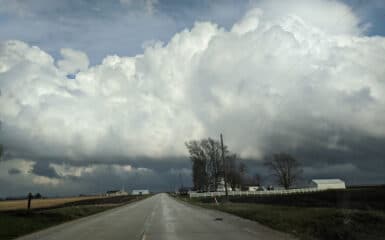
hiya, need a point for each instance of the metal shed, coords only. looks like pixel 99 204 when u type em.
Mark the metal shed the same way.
pixel 328 184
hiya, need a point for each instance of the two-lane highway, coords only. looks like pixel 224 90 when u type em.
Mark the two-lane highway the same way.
pixel 159 217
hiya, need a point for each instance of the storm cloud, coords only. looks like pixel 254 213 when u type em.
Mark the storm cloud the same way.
pixel 281 78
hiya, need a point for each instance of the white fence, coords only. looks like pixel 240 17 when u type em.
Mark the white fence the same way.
pixel 253 193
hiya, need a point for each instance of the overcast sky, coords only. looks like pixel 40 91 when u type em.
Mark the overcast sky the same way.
pixel 100 95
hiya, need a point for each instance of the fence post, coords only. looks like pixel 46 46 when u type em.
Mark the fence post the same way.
pixel 29 200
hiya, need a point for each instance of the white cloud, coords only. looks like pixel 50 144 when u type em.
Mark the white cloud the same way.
pixel 279 72
pixel 331 16
pixel 248 23
pixel 73 61
pixel 23 180
pixel 66 170
pixel 23 165
pixel 43 180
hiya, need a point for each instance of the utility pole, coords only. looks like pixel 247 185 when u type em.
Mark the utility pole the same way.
pixel 224 168
pixel 29 201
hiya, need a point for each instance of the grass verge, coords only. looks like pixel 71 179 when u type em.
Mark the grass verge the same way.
pixel 309 222
pixel 17 223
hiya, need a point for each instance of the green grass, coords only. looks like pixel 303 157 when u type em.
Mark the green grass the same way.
pixel 310 222
pixel 17 223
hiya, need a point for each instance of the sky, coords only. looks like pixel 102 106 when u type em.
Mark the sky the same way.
pixel 102 95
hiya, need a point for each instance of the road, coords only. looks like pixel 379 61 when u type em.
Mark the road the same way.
pixel 157 218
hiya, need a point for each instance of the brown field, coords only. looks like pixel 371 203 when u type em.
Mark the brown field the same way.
pixel 41 203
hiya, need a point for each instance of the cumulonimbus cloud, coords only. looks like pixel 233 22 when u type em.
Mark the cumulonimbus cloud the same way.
pixel 284 75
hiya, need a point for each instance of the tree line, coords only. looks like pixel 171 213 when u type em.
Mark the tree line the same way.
pixel 209 169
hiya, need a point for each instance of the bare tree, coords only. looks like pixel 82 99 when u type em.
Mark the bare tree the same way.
pixel 285 168
pixel 199 162
pixel 212 150
pixel 233 176
pixel 242 169
pixel 257 180
pixel 207 165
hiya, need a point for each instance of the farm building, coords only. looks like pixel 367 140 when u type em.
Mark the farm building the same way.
pixel 114 193
pixel 221 186
pixel 255 188
pixel 328 184
pixel 140 192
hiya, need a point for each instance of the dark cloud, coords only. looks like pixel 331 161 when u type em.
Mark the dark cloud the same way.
pixel 14 171
pixel 43 168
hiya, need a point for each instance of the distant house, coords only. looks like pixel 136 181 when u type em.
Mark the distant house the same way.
pixel 140 192
pixel 328 184
pixel 221 186
pixel 114 193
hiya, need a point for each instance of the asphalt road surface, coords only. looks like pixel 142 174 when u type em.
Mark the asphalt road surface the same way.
pixel 157 218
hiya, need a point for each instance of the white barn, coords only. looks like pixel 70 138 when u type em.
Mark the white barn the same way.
pixel 328 184
pixel 140 192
